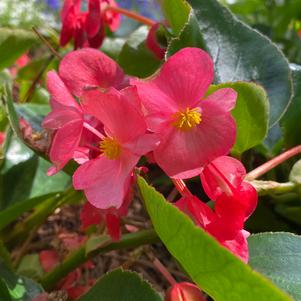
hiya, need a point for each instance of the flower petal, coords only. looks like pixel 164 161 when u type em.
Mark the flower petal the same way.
pixel 222 100
pixel 59 92
pixel 111 108
pixel 232 169
pixel 89 67
pixel 105 181
pixel 183 154
pixel 186 76
pixel 93 20
pixel 64 143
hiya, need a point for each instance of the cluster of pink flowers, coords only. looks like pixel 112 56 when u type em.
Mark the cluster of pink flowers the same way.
pixel 87 28
pixel 106 121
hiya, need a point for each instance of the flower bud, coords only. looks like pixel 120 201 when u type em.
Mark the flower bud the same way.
pixel 184 291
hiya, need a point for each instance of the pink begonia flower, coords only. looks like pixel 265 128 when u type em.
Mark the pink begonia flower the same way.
pixel 223 180
pixel 194 129
pixel 216 225
pixel 79 70
pixel 184 291
pixel 87 28
pixel 2 138
pixel 106 179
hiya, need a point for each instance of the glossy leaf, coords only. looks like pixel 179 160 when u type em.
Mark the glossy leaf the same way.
pixel 20 288
pixel 13 43
pixel 290 122
pixel 176 13
pixel 135 58
pixel 214 269
pixel 121 286
pixel 278 256
pixel 250 113
pixel 239 52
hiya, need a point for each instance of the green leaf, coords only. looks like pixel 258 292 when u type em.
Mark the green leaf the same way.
pixel 278 256
pixel 239 52
pixel 13 212
pixel 250 113
pixel 290 123
pixel 176 13
pixel 4 293
pixel 30 266
pixel 121 286
pixel 95 242
pixel 214 269
pixel 135 58
pixel 13 43
pixel 295 174
pixel 20 288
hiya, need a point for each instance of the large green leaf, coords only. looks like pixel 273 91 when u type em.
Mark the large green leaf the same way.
pixel 121 286
pixel 135 58
pixel 251 114
pixel 176 13
pixel 278 256
pixel 19 288
pixel 290 122
pixel 214 269
pixel 239 52
pixel 13 43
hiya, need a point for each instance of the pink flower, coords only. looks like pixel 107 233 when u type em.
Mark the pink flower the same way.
pixel 87 28
pixel 194 129
pixel 222 181
pixel 2 138
pixel 79 70
pixel 184 291
pixel 216 225
pixel 106 179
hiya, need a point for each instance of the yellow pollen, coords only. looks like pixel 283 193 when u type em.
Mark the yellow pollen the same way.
pixel 110 148
pixel 188 119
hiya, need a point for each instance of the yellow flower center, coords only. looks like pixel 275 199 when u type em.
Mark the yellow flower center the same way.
pixel 110 148
pixel 188 119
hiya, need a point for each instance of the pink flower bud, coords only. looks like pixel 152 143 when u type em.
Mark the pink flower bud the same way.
pixel 184 291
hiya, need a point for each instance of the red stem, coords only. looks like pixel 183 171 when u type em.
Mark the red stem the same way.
pixel 163 270
pixel 131 15
pixel 264 168
pixel 182 188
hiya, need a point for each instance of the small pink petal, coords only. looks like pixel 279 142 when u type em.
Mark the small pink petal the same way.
pixel 89 67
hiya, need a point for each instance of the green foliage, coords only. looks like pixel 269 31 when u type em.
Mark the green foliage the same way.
pixel 19 288
pixel 290 122
pixel 121 286
pixel 17 39
pixel 214 269
pixel 135 58
pixel 239 52
pixel 277 255
pixel 250 113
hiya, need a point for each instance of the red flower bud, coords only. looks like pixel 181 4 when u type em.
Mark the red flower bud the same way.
pixel 184 291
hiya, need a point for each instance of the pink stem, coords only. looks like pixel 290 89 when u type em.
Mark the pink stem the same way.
pixel 93 130
pixel 264 168
pixel 182 188
pixel 163 270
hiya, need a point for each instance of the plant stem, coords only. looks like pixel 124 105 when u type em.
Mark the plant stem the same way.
pixel 131 15
pixel 78 257
pixel 271 187
pixel 163 270
pixel 264 168
pixel 182 188
pixel 46 43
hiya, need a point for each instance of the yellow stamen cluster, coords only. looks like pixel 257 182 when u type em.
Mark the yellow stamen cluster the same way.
pixel 188 119
pixel 110 148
